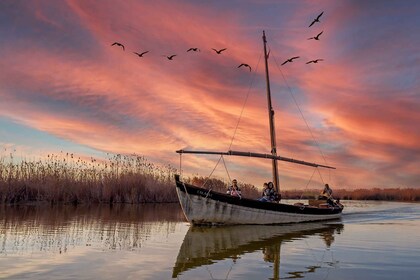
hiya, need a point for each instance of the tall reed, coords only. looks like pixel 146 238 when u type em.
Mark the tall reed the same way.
pixel 66 178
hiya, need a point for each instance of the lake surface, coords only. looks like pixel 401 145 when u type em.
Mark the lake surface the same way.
pixel 373 240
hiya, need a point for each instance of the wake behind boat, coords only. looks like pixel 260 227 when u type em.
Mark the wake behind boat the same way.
pixel 202 206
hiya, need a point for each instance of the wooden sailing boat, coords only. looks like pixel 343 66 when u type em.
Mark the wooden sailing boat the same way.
pixel 202 206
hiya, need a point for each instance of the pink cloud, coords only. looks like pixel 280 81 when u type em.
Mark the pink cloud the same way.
pixel 111 100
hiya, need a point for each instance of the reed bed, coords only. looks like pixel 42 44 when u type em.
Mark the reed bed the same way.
pixel 63 178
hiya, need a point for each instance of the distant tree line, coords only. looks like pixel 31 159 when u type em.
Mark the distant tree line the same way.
pixel 388 194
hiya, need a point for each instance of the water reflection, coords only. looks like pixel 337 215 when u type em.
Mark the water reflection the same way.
pixel 203 246
pixel 58 228
pixel 155 242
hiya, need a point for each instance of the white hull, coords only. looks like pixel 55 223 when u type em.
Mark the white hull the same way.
pixel 202 210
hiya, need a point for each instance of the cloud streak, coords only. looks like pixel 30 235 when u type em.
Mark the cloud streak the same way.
pixel 61 76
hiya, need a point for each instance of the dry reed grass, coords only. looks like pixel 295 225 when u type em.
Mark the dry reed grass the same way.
pixel 65 178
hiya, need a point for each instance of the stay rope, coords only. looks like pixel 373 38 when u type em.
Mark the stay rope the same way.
pixel 300 111
pixel 246 100
pixel 224 163
pixel 307 184
pixel 237 124
pixel 211 173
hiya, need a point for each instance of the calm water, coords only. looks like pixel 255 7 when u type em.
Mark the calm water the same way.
pixel 373 240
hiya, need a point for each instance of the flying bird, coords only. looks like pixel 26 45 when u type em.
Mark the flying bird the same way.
pixel 193 49
pixel 316 37
pixel 141 54
pixel 219 51
pixel 118 44
pixel 290 60
pixel 316 20
pixel 170 57
pixel 314 61
pixel 245 65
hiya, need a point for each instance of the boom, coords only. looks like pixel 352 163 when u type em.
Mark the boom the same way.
pixel 256 155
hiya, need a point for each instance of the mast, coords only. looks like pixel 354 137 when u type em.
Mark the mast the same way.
pixel 271 120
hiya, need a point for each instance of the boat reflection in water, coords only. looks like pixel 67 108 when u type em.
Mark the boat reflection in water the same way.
pixel 205 246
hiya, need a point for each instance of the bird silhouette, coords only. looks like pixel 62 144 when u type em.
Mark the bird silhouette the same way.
pixel 316 20
pixel 118 44
pixel 219 51
pixel 245 65
pixel 316 37
pixel 141 54
pixel 314 61
pixel 290 60
pixel 170 57
pixel 193 49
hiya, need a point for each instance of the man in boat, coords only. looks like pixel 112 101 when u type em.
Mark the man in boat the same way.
pixel 326 194
pixel 234 189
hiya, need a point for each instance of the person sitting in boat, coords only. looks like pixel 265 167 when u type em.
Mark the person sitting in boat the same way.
pixel 265 193
pixel 269 194
pixel 326 193
pixel 274 196
pixel 234 189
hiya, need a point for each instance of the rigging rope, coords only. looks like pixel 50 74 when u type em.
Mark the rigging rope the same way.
pixel 237 125
pixel 300 111
pixel 320 175
pixel 310 179
pixel 208 177
pixel 180 165
pixel 246 99
pixel 224 163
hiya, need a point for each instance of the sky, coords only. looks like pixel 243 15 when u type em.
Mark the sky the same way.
pixel 63 87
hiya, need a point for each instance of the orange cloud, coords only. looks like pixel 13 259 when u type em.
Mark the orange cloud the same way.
pixel 79 88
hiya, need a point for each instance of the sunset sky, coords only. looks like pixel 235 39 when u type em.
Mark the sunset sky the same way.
pixel 63 87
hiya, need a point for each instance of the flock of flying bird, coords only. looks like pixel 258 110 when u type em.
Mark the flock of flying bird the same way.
pixel 311 38
pixel 171 57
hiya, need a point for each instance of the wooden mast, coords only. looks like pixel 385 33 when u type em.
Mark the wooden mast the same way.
pixel 271 120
